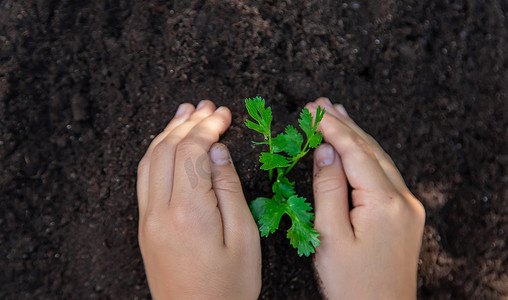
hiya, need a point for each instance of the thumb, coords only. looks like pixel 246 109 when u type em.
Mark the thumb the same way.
pixel 330 194
pixel 235 213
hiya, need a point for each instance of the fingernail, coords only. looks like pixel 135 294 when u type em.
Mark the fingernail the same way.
pixel 181 109
pixel 200 104
pixel 220 154
pixel 342 110
pixel 324 155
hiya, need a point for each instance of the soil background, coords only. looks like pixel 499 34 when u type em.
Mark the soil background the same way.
pixel 86 85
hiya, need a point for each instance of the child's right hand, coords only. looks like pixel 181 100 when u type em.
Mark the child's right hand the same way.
pixel 372 250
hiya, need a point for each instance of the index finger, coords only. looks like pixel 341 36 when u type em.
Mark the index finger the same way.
pixel 384 159
pixel 192 160
pixel 362 169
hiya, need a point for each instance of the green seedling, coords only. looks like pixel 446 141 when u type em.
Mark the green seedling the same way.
pixel 285 150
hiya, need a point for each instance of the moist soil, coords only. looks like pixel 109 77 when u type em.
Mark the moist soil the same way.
pixel 86 85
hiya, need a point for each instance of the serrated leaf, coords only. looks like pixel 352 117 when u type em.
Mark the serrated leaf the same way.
pixel 260 114
pixel 272 161
pixel 320 113
pixel 305 122
pixel 289 142
pixel 315 140
pixel 279 143
pixel 254 126
pixel 257 207
pixel 303 237
pixel 301 234
pixel 269 221
pixel 299 209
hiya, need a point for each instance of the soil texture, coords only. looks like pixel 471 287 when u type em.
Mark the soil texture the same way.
pixel 86 85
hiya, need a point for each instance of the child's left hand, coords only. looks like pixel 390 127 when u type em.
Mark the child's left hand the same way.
pixel 196 233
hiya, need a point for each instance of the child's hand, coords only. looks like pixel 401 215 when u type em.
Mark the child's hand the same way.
pixel 370 252
pixel 196 233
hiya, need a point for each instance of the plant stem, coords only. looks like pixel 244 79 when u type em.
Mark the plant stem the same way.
pixel 286 171
pixel 270 172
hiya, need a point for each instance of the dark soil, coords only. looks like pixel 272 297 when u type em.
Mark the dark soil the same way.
pixel 85 86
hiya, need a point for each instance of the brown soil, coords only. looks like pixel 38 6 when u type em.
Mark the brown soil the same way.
pixel 85 85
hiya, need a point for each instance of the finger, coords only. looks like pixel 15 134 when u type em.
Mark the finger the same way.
pixel 361 167
pixel 236 217
pixel 162 158
pixel 330 195
pixel 192 162
pixel 182 114
pixel 385 160
pixel 339 112
pixel 204 109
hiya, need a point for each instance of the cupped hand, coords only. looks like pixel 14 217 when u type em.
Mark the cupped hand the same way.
pixel 369 250
pixel 196 233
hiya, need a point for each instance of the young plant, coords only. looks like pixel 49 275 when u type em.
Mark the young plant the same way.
pixel 284 151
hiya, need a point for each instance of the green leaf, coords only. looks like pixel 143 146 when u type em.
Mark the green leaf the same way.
pixel 289 142
pixel 298 208
pixel 254 126
pixel 257 207
pixel 305 122
pixel 315 140
pixel 260 114
pixel 269 221
pixel 272 161
pixel 320 113
pixel 283 189
pixel 279 143
pixel 301 235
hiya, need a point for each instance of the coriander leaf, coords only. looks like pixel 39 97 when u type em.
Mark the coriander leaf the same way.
pixel 303 237
pixel 315 140
pixel 254 126
pixel 257 207
pixel 269 221
pixel 256 109
pixel 298 208
pixel 305 122
pixel 283 189
pixel 272 161
pixel 301 234
pixel 279 143
pixel 320 113
pixel 289 142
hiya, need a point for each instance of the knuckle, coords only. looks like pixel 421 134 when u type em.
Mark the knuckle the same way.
pixel 143 165
pixel 401 206
pixel 151 229
pixel 227 184
pixel 185 147
pixel 420 214
pixel 393 209
pixel 358 145
pixel 182 218
pixel 328 184
pixel 161 150
pixel 362 146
